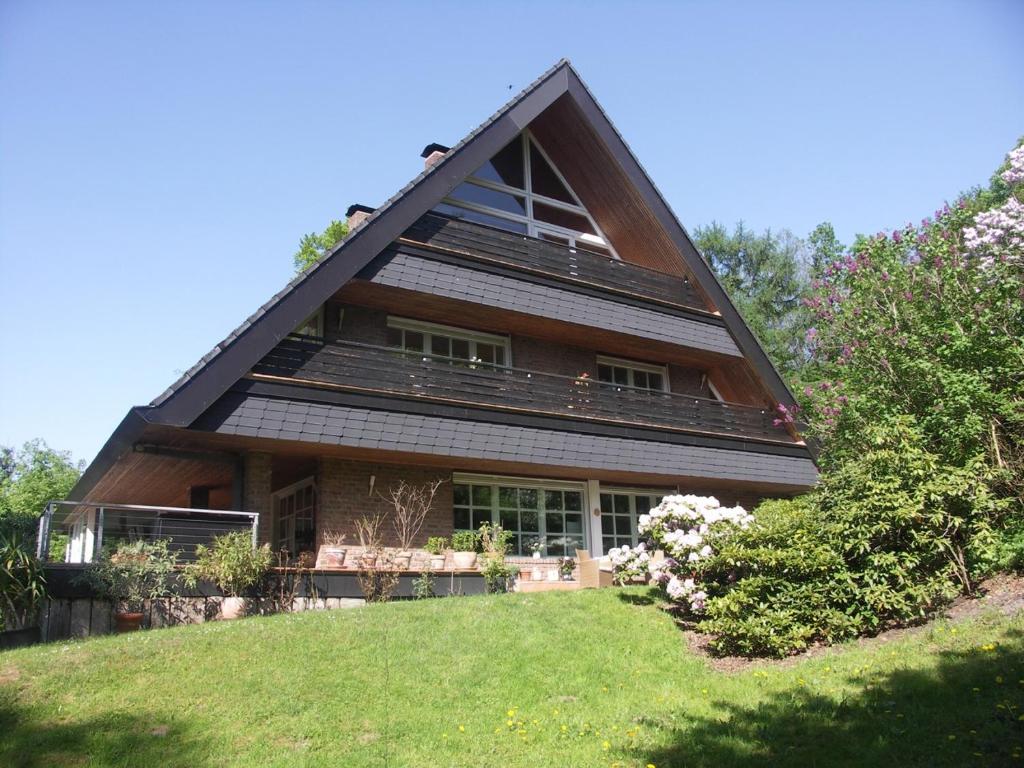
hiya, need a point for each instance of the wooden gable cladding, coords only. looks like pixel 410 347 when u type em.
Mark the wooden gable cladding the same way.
pixel 605 191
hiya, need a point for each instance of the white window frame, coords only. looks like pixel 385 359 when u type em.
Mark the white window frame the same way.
pixel 633 365
pixel 451 331
pixel 539 484
pixel 288 490
pixel 631 493
pixel 534 228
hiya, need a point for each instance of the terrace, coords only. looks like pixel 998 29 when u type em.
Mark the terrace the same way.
pixel 367 368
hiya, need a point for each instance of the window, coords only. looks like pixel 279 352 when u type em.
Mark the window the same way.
pixel 532 511
pixel 620 511
pixel 294 508
pixel 520 190
pixel 442 342
pixel 312 325
pixel 627 374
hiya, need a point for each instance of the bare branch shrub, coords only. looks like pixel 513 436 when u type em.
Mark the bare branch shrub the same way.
pixel 411 504
pixel 376 572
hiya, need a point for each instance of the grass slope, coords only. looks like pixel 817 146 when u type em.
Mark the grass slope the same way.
pixel 594 678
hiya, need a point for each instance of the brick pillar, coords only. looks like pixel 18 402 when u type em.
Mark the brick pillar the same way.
pixel 256 492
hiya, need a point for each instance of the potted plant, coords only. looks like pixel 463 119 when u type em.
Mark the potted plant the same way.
pixel 332 551
pixel 410 504
pixel 135 572
pixel 566 566
pixel 436 545
pixel 464 545
pixel 498 575
pixel 22 591
pixel 535 548
pixel 234 565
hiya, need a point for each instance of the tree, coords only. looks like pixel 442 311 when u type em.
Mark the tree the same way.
pixel 32 476
pixel 824 248
pixel 766 277
pixel 313 247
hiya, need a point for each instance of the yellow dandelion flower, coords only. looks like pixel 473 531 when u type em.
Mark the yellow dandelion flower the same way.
pixel 651 765
pixel 606 745
pixel 564 728
pixel 462 729
pixel 511 713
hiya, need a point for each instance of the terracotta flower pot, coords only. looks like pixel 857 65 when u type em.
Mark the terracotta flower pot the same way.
pixel 330 557
pixel 464 560
pixel 403 560
pixel 232 608
pixel 367 560
pixel 128 621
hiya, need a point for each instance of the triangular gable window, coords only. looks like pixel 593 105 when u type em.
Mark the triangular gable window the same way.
pixel 520 190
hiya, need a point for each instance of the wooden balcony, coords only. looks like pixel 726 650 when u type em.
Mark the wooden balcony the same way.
pixel 365 368
pixel 550 260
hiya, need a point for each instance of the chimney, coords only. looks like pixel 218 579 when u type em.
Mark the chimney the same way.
pixel 357 214
pixel 432 153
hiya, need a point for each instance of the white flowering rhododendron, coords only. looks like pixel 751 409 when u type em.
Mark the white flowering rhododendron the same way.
pixel 680 527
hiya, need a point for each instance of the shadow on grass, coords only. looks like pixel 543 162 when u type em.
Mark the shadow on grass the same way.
pixel 648 597
pixel 965 711
pixel 30 740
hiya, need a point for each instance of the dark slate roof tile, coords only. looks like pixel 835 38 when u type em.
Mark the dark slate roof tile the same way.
pixel 414 433
pixel 459 282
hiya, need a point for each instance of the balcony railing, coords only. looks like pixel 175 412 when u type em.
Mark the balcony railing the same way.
pixel 77 532
pixel 365 367
pixel 575 265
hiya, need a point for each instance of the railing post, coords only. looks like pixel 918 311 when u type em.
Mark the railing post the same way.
pixel 98 543
pixel 255 529
pixel 43 536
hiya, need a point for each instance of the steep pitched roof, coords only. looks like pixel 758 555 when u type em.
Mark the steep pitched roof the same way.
pixel 226 363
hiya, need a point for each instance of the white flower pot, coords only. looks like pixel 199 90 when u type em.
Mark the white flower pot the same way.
pixel 464 560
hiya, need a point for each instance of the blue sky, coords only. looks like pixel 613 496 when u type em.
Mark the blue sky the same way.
pixel 159 161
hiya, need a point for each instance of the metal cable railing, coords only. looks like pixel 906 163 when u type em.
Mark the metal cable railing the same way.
pixel 383 369
pixel 78 532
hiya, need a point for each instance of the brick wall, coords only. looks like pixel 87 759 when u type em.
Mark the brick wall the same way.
pixel 344 496
pixel 256 491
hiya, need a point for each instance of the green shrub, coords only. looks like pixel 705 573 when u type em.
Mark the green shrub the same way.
pixel 887 538
pixel 232 563
pixel 22 582
pixel 135 572
pixel 495 541
pixel 465 541
pixel 436 545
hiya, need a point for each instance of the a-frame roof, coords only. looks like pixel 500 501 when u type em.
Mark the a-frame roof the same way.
pixel 200 387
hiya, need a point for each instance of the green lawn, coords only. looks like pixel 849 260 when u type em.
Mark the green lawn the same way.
pixel 595 678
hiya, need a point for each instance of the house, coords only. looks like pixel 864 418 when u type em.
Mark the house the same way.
pixel 527 320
